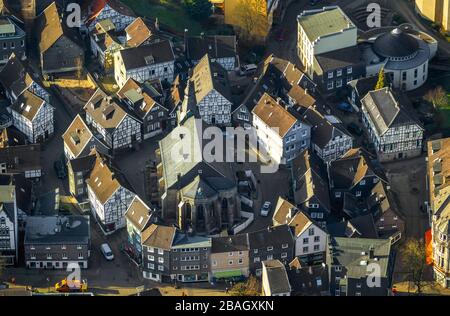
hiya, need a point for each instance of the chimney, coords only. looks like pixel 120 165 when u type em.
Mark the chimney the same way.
pixel 371 252
pixel 292 212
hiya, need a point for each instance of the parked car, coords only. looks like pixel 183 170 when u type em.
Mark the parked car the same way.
pixel 355 129
pixel 265 209
pixel 107 252
pixel 60 169
pixel 248 70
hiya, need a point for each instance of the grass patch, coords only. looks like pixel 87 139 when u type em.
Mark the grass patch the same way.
pixel 169 12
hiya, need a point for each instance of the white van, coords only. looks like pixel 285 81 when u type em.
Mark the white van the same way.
pixel 107 252
pixel 249 69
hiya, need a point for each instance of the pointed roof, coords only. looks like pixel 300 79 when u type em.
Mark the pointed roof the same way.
pixel 28 105
pixel 77 136
pixel 138 213
pixel 138 33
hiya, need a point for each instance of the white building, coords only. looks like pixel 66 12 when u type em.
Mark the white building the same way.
pixel 330 140
pixel 321 31
pixel 153 61
pixel 114 126
pixel 391 124
pixel 8 225
pixel 33 116
pixel 281 134
pixel 109 195
pixel 115 11
pixel 275 281
pixel 208 94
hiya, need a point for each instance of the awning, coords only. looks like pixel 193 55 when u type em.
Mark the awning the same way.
pixel 227 274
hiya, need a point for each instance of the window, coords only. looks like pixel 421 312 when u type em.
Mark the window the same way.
pixel 161 268
pixel 284 255
pixel 305 249
pixel 160 251
pixel 241 261
pixel 363 182
pixel 151 266
pixel 316 247
pixel 255 251
pixel 214 263
pixel 230 254
pixel 311 231
pixel 80 255
pixel 151 258
pixel 284 246
pixel 269 257
pixel 338 83
pixel 316 238
pixel 256 259
pixel 230 262
pixel 161 260
pixel 337 268
pixel 269 248
pixel 305 241
pixel 339 72
pixel 330 85
pixel 349 70
pixel 358 193
pixel 151 249
pixel 330 75
pixel 337 194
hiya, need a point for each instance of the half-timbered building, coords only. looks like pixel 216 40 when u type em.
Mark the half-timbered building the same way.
pixel 119 14
pixel 109 194
pixel 392 127
pixel 153 61
pixel 105 43
pixel 8 225
pixel 113 125
pixel 33 116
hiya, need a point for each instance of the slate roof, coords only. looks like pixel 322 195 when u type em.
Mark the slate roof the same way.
pixel 338 59
pixel 309 280
pixel 139 214
pixel 143 56
pixel 274 115
pixel 277 277
pixel 310 177
pixel 351 168
pixel 158 236
pixel 77 136
pixel 61 230
pixel 207 76
pixel 230 244
pixel 396 43
pixel 28 105
pixel 83 164
pixel 275 235
pixel 388 109
pixel 14 76
pixel 105 179
pixel 216 46
pixel 353 254
pixel 19 159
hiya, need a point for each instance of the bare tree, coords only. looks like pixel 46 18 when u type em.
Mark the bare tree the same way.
pixel 251 287
pixel 414 259
pixel 437 97
pixel 251 22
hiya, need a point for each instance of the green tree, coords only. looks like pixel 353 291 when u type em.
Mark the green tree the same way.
pixel 413 256
pixel 198 9
pixel 381 83
pixel 251 287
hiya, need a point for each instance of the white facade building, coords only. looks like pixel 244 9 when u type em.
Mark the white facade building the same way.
pixel 8 225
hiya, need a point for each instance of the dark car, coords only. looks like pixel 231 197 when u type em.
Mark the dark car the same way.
pixel 344 106
pixel 355 129
pixel 60 169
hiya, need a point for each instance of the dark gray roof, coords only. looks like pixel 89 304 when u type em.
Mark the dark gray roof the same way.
pixel 338 59
pixel 82 164
pixel 354 255
pixel 270 236
pixel 217 46
pixel 388 108
pixel 230 243
pixel 309 281
pixel 277 277
pixel 139 57
pixel 50 230
pixel 396 43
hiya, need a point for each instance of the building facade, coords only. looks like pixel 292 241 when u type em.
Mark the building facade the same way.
pixel 9 217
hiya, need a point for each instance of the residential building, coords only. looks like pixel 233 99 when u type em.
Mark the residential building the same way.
pixel 310 186
pixel 139 217
pixel 114 126
pixel 281 134
pixel 12 39
pixel 190 258
pixel 33 116
pixel 16 79
pixel 221 49
pixel 115 11
pixel 438 207
pixel 199 196
pixel 174 100
pixel 157 242
pixel 208 93
pixel 351 261
pixel 152 61
pixel 308 280
pixel 59 51
pixel 105 43
pixel 272 243
pixel 310 238
pixel 229 257
pixel 24 160
pixel 9 230
pixel 79 170
pixel 55 242
pixel 137 98
pixel 329 138
pixel 139 33
pixel 392 126
pixel 280 79
pixel 275 281
pixel 362 226
pixel 109 193
pixel 322 31
pixel 79 140
pixel 355 173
